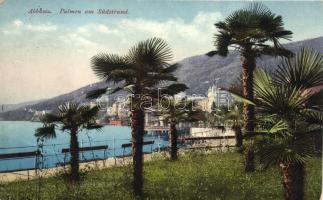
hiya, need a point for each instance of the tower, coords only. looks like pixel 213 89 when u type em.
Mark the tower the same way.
pixel 212 95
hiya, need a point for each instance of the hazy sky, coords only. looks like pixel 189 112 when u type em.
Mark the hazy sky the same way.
pixel 44 55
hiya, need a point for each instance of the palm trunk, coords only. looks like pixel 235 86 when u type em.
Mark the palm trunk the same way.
pixel 293 181
pixel 238 135
pixel 74 149
pixel 137 126
pixel 248 66
pixel 173 141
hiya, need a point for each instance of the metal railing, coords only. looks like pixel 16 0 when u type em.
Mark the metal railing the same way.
pixel 46 156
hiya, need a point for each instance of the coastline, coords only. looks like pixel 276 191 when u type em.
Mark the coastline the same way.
pixel 88 166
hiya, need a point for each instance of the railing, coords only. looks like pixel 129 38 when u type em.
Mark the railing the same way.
pixel 208 138
pixel 52 155
pixel 223 142
pixel 127 145
pixel 20 155
pixel 84 149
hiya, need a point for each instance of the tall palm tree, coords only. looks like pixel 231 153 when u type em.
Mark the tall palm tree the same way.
pixel 252 31
pixel 179 110
pixel 71 117
pixel 290 118
pixel 139 72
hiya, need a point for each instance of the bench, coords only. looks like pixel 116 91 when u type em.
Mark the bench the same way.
pixel 212 147
pixel 194 139
pixel 18 155
pixel 209 138
pixel 83 149
pixel 127 145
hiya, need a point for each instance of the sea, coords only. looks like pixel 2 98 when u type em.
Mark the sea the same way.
pixel 18 136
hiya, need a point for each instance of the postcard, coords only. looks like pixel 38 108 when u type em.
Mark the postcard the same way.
pixel 161 99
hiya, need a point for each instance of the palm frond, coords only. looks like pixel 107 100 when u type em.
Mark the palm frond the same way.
pixel 104 64
pixel 283 151
pixel 46 132
pixel 282 100
pixel 240 98
pixel 222 43
pixel 68 109
pixel 153 52
pixel 277 130
pixel 280 127
pixel 276 51
pixel 313 116
pixel 304 70
pixel 87 113
pixel 253 28
pixel 49 118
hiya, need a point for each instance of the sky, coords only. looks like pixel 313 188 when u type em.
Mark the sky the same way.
pixel 45 55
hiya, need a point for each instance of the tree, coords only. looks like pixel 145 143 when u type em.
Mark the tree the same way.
pixel 139 72
pixel 289 117
pixel 253 31
pixel 235 116
pixel 176 111
pixel 71 117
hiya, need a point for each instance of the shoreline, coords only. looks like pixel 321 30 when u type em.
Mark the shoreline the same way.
pixel 7 177
pixel 24 175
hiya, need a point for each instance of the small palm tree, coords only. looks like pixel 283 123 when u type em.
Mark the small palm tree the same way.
pixel 139 72
pixel 289 117
pixel 253 31
pixel 177 111
pixel 235 116
pixel 71 117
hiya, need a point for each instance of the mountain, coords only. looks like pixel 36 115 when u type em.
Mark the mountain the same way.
pixel 198 72
pixel 9 107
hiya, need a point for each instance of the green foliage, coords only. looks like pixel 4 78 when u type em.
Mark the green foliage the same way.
pixel 46 132
pixel 144 66
pixel 235 115
pixel 69 115
pixel 181 110
pixel 213 176
pixel 305 70
pixel 288 116
pixel 251 30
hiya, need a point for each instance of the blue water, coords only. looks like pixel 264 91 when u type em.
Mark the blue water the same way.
pixel 18 136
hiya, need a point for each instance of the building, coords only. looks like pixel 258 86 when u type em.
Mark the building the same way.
pixel 39 114
pixel 216 98
pixel 119 110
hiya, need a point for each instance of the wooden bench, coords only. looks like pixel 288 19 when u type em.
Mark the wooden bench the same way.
pixel 18 155
pixel 193 139
pixel 127 145
pixel 83 149
pixel 208 138
pixel 212 147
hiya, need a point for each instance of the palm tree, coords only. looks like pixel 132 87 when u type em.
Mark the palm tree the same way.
pixel 235 116
pixel 71 117
pixel 253 31
pixel 179 110
pixel 138 72
pixel 289 117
